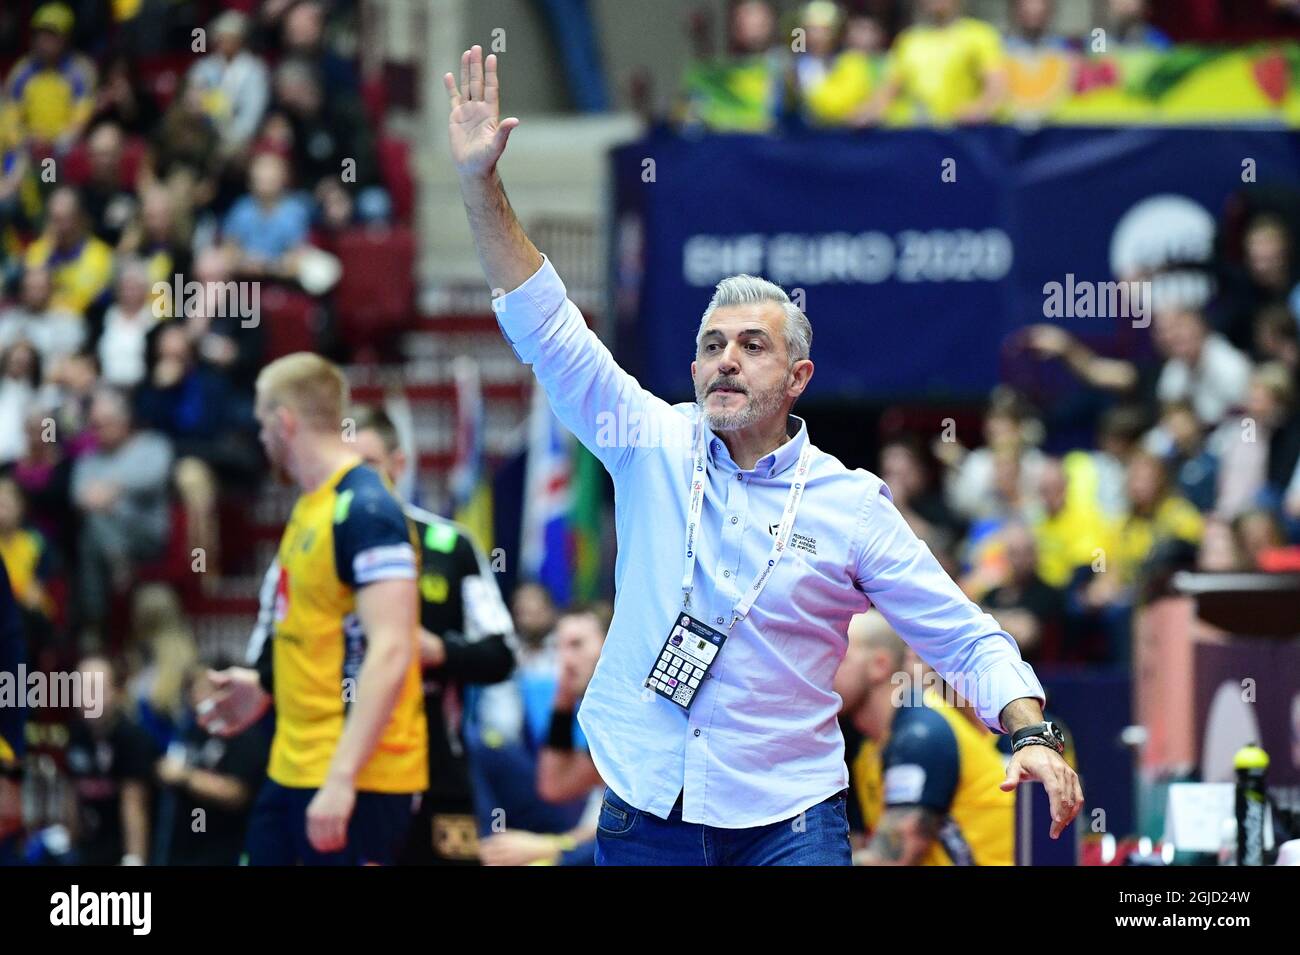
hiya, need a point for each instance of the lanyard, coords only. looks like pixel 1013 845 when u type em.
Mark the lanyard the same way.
pixel 779 544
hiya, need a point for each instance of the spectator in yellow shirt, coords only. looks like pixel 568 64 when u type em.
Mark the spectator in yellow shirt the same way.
pixel 1070 530
pixel 1156 513
pixel 833 87
pixel 81 265
pixel 52 88
pixel 24 553
pixel 948 68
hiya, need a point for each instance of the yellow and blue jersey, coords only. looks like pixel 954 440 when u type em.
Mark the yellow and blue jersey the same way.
pixel 81 277
pixel 342 536
pixel 50 100
pixel 28 561
pixel 937 759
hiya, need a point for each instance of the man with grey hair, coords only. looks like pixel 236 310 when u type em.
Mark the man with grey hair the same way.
pixel 744 551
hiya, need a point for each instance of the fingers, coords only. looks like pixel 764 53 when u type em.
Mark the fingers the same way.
pixel 326 833
pixel 1064 796
pixel 1056 800
pixel 491 85
pixel 503 132
pixel 476 72
pixel 1014 775
pixel 478 80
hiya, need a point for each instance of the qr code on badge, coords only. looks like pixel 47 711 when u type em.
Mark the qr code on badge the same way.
pixel 683 695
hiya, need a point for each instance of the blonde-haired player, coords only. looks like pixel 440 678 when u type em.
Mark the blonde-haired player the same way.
pixel 342 665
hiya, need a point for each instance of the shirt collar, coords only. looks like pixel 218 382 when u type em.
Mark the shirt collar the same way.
pixel 769 464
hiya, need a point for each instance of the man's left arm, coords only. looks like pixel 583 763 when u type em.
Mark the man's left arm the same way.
pixel 964 645
pixel 375 557
pixel 481 652
pixel 387 612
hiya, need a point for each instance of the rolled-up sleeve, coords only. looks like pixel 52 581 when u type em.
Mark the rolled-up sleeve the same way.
pixel 925 607
pixel 591 395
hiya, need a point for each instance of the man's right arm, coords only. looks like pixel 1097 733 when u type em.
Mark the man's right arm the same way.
pixel 591 395
pixel 478 138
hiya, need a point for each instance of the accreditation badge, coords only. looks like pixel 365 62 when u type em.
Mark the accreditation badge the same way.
pixel 684 661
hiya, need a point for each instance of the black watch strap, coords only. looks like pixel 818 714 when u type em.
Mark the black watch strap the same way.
pixel 1038 734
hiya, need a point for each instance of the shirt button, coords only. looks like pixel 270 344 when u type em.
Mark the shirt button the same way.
pixel 740 477
pixel 718 620
pixel 726 573
pixel 697 732
pixel 735 520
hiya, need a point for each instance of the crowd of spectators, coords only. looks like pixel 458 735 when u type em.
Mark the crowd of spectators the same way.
pixel 857 64
pixel 1193 463
pixel 125 397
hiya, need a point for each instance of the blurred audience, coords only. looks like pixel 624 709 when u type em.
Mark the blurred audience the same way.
pixel 1031 27
pixel 1127 21
pixel 56 332
pixel 51 90
pixel 266 229
pixel 110 760
pixel 121 492
pixel 947 67
pixel 232 82
pixel 80 264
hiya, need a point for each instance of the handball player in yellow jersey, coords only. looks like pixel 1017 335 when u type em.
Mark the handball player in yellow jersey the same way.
pixel 342 665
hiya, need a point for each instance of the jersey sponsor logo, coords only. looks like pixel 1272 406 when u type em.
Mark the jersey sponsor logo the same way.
pixel 440 537
pixel 387 562
pixel 904 784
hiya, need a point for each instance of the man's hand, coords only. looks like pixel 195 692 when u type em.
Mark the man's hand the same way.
pixel 1062 783
pixel 1048 341
pixel 236 703
pixel 98 496
pixel 517 847
pixel 433 651
pixel 328 814
pixel 478 134
pixel 171 771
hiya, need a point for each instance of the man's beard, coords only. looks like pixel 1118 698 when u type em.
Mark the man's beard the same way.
pixel 759 405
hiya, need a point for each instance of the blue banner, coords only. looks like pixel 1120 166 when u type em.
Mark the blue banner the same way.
pixel 916 254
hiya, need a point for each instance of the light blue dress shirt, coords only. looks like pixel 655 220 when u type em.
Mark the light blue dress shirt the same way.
pixel 761 742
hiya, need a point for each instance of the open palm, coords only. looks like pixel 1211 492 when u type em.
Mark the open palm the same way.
pixel 478 134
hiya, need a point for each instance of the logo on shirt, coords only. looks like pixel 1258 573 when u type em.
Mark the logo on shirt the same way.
pixel 801 541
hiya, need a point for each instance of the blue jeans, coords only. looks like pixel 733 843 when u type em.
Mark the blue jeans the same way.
pixel 626 835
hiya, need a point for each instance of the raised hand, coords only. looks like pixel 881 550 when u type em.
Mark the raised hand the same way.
pixel 478 134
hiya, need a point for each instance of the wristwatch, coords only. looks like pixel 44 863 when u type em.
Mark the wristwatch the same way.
pixel 1038 734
